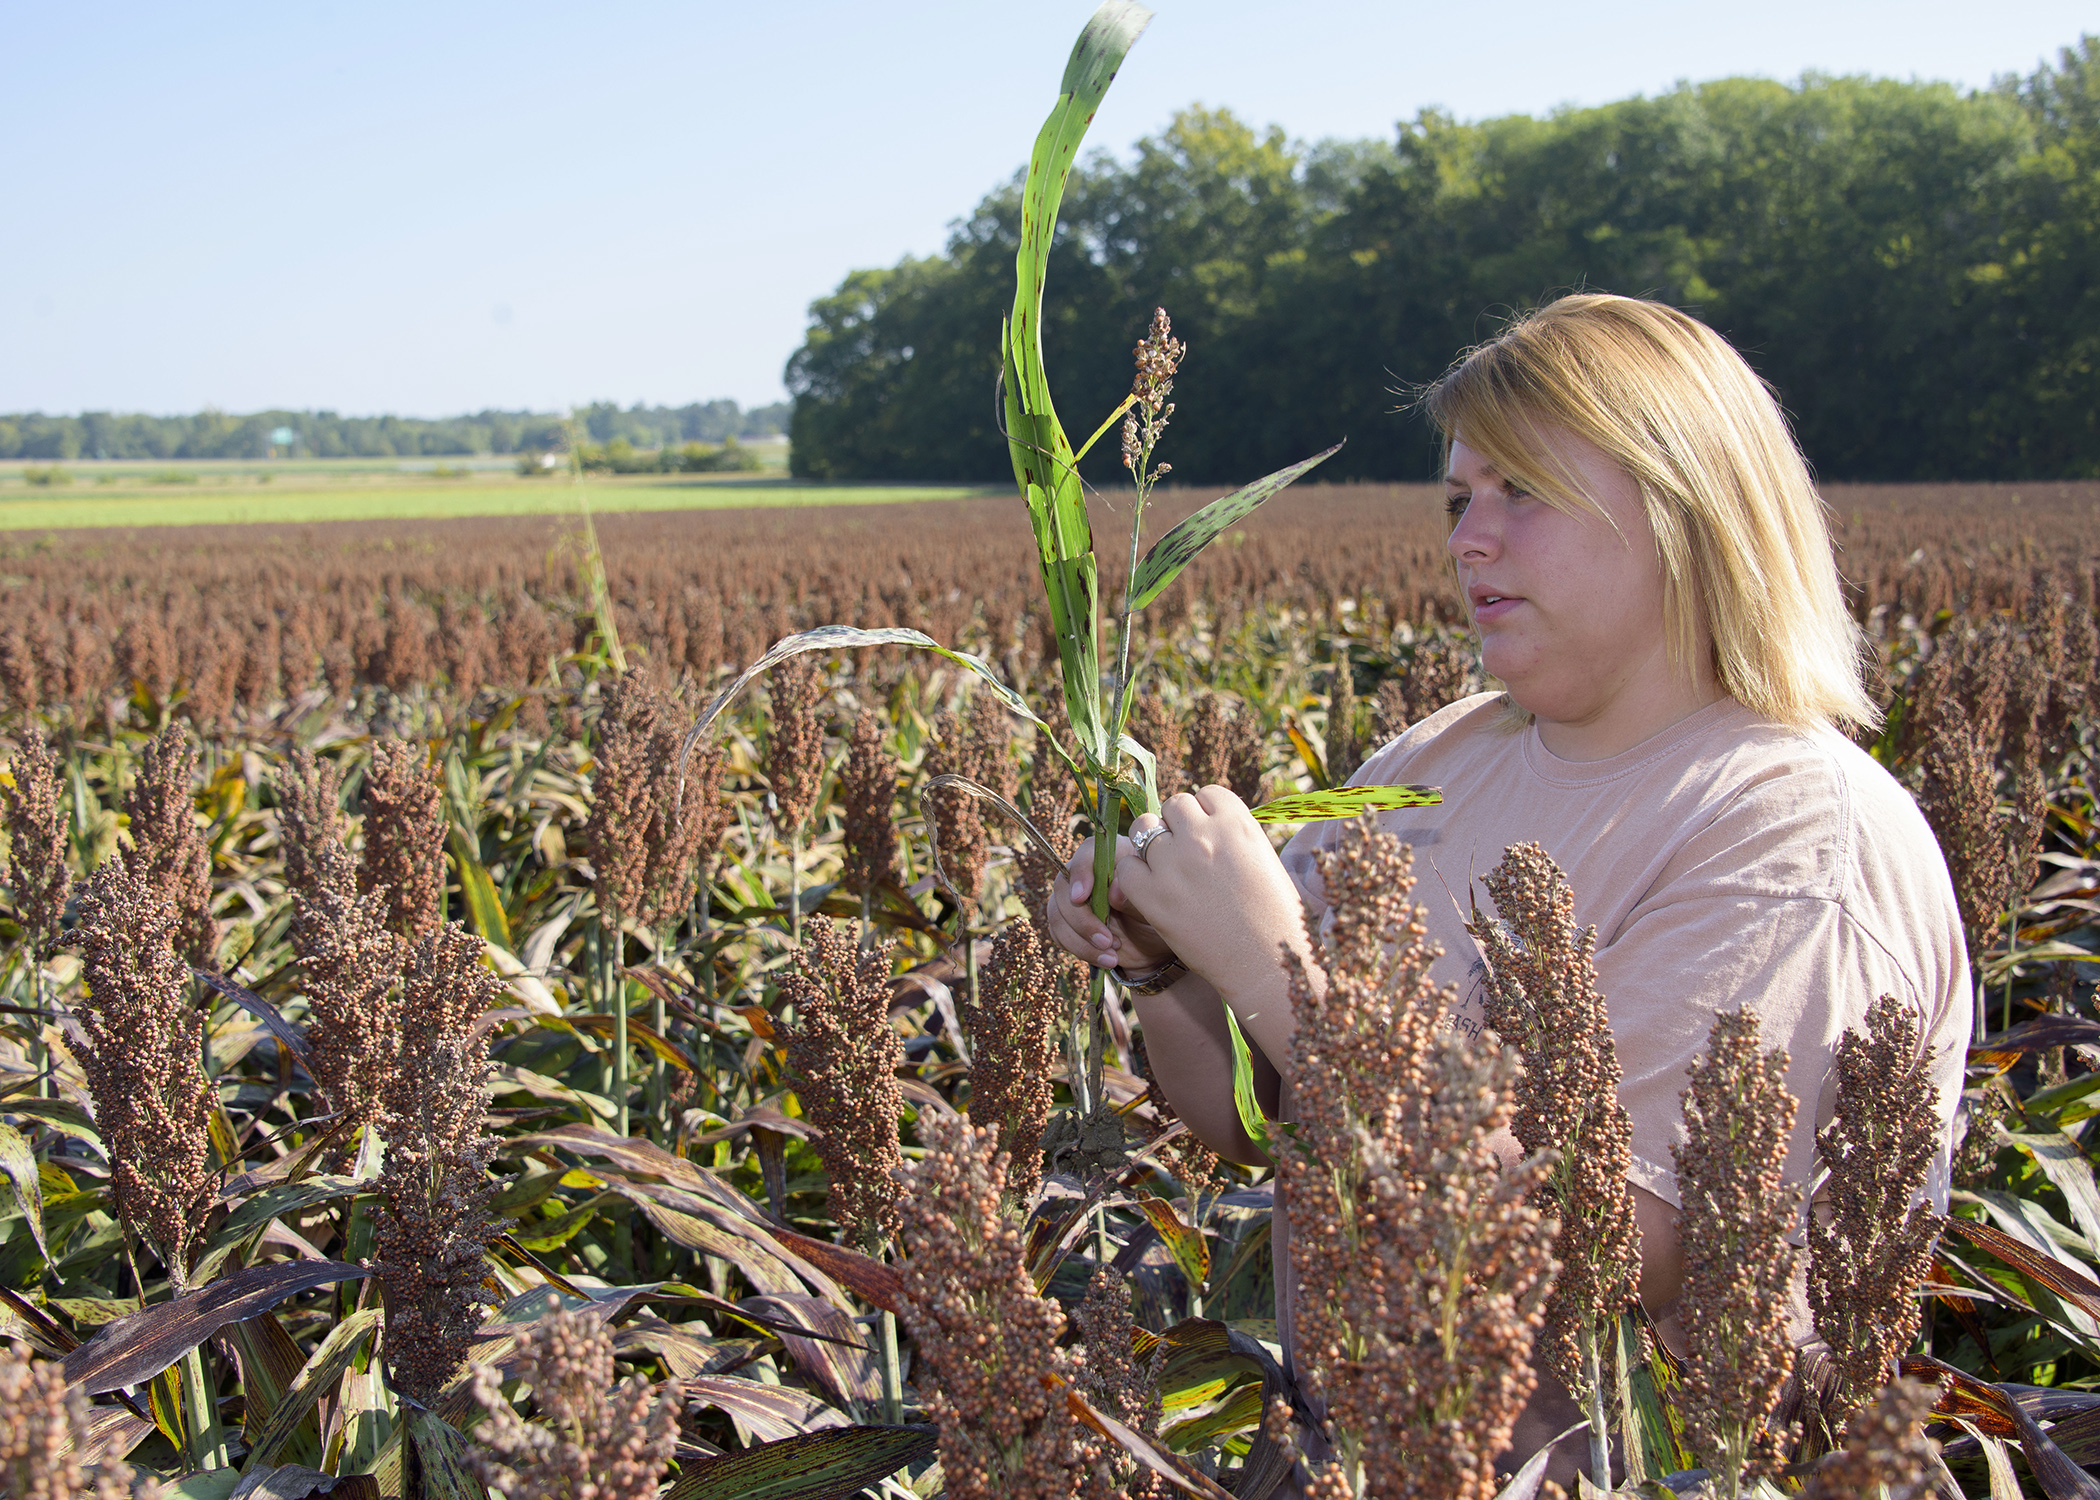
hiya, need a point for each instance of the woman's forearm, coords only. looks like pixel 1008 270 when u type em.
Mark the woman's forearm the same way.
pixel 1190 1051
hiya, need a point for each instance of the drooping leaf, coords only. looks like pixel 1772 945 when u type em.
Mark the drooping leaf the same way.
pixel 1178 548
pixel 2079 1291
pixel 876 1284
pixel 2064 1163
pixel 766 1272
pixel 847 638
pixel 838 1356
pixel 299 1482
pixel 18 1166
pixel 131 1350
pixel 1992 1412
pixel 1343 802
pixel 213 1484
pixel 638 1033
pixel 766 1412
pixel 829 1465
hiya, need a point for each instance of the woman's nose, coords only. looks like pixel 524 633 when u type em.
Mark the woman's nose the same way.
pixel 1474 535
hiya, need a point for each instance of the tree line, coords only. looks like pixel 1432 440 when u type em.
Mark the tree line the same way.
pixel 324 434
pixel 1915 268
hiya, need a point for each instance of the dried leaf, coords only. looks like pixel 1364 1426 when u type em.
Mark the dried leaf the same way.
pixel 876 1284
pixel 765 1412
pixel 838 1356
pixel 2080 1291
pixel 133 1349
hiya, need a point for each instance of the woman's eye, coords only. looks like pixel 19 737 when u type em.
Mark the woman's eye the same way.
pixel 1455 505
pixel 1516 492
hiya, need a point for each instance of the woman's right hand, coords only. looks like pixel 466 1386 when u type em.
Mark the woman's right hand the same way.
pixel 1126 940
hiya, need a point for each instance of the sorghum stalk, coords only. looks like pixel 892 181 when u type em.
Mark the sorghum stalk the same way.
pixel 140 1045
pixel 1867 1257
pixel 37 874
pixel 1421 1268
pixel 843 1055
pixel 1731 1230
pixel 1542 997
pixel 986 1340
pixel 435 1188
pixel 612 1442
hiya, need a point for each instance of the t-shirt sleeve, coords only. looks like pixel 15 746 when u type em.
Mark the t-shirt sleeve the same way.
pixel 1803 964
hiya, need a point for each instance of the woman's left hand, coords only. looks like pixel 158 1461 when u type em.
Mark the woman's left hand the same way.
pixel 1213 888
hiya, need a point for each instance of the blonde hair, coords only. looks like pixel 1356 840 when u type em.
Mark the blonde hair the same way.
pixel 1742 534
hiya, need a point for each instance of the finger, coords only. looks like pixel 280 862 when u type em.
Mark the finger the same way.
pixel 1180 810
pixel 1216 800
pixel 1080 869
pixel 1144 821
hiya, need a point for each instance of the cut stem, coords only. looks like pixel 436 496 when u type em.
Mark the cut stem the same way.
pixel 1600 1431
pixel 892 1373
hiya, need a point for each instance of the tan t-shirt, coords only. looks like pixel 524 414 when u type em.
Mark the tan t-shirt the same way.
pixel 1727 861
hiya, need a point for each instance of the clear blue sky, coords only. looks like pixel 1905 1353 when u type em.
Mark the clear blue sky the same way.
pixel 435 207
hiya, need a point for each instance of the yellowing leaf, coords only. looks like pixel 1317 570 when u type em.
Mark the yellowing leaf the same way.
pixel 1344 802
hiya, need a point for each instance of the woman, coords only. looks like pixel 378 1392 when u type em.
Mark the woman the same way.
pixel 1647 564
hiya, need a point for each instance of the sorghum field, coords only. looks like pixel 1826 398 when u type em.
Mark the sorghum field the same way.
pixel 410 1090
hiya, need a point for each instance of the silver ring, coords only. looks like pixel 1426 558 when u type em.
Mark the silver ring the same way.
pixel 1142 839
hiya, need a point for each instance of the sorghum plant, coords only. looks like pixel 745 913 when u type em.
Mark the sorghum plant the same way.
pixel 646 845
pixel 168 850
pixel 1542 998
pixel 350 960
pixel 956 748
pixel 37 873
pixel 139 1047
pixel 435 1191
pixel 1421 1267
pixel 592 1438
pixel 43 1430
pixel 1887 1454
pixel 843 1055
pixel 1225 748
pixel 795 743
pixel 1011 1028
pixel 1117 1382
pixel 404 854
pixel 868 785
pixel 987 1343
pixel 1868 1254
pixel 1737 1210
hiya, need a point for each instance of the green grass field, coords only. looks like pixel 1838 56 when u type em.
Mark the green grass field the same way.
pixel 231 493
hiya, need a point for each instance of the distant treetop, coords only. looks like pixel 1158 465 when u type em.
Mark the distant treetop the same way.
pixel 323 434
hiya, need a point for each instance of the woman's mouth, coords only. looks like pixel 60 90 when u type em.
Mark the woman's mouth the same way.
pixel 1489 606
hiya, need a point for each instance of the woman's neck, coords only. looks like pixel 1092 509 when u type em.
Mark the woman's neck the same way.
pixel 1633 717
